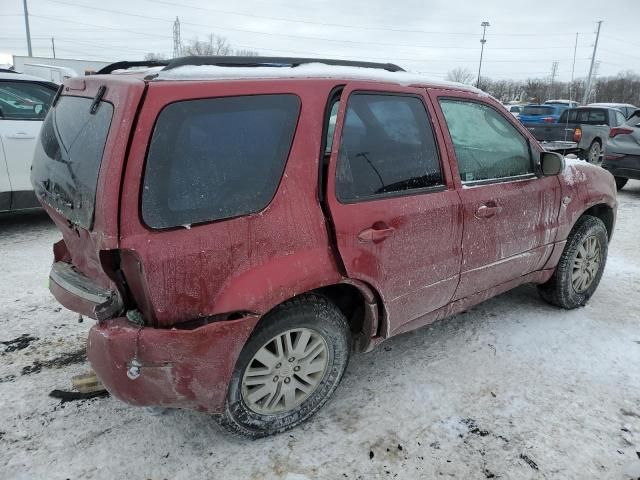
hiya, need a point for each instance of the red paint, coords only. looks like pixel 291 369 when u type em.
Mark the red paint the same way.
pixel 415 258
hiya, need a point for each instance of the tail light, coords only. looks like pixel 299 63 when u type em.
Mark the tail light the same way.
pixel 577 135
pixel 619 131
pixel 547 119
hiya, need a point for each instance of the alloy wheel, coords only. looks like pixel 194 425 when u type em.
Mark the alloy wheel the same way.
pixel 586 264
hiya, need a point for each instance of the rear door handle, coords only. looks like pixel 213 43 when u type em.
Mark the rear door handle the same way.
pixel 488 210
pixel 375 234
pixel 21 135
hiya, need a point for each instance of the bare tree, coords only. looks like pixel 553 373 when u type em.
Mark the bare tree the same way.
pixel 155 56
pixel 244 52
pixel 214 45
pixel 460 75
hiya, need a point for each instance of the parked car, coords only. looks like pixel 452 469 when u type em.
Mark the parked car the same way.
pixel 514 110
pixel 541 113
pixel 623 151
pixel 626 108
pixel 581 130
pixel 567 103
pixel 24 101
pixel 235 254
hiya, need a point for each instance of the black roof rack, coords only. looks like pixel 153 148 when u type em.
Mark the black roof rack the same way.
pixel 233 61
pixel 126 65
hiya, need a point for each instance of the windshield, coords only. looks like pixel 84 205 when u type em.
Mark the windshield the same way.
pixel 538 110
pixel 68 156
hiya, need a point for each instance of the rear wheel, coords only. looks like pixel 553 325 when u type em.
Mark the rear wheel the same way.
pixel 621 182
pixel 593 154
pixel 288 369
pixel 580 267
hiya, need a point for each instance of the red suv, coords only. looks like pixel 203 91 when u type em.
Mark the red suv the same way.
pixel 239 226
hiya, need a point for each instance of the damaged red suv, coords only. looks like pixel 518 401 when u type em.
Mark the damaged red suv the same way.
pixel 238 227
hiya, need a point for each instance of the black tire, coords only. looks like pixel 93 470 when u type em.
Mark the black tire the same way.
pixel 559 289
pixel 309 311
pixel 621 182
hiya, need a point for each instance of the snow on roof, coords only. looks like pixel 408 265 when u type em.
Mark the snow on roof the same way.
pixel 610 104
pixel 22 77
pixel 309 70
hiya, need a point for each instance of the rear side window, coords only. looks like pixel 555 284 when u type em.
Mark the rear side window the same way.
pixel 68 155
pixel 598 117
pixel 619 118
pixel 217 158
pixel 387 147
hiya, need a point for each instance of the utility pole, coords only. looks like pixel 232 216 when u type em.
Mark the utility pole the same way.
pixel 573 66
pixel 587 90
pixel 53 46
pixel 177 41
pixel 554 73
pixel 26 26
pixel 484 26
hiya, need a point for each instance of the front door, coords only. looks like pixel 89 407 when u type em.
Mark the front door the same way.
pixel 510 213
pixel 23 106
pixel 5 184
pixel 396 214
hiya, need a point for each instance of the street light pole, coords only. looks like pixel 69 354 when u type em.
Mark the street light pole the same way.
pixel 26 26
pixel 484 26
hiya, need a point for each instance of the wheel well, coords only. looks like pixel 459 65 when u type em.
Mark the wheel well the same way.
pixel 597 139
pixel 604 213
pixel 349 300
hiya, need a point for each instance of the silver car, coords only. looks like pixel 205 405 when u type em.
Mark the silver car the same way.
pixel 622 156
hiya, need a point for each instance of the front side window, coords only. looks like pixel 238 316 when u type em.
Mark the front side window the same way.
pixel 24 100
pixel 387 147
pixel 487 146
pixel 217 158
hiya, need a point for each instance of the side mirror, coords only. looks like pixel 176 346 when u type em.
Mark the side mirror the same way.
pixel 551 163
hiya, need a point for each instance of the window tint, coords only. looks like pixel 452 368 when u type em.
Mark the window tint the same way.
pixel 68 155
pixel 536 110
pixel 387 146
pixel 217 158
pixel 598 117
pixel 24 100
pixel 487 146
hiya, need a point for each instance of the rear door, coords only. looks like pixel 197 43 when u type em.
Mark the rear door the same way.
pixel 396 214
pixel 23 106
pixel 510 214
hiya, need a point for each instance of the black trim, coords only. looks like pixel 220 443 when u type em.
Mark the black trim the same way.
pixel 400 193
pixel 24 199
pixel 233 61
pixel 5 201
pixel 334 97
pixel 126 65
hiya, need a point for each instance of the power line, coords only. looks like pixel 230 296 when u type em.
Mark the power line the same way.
pixel 304 37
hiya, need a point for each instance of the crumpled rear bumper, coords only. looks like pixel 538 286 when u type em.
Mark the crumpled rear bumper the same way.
pixel 177 368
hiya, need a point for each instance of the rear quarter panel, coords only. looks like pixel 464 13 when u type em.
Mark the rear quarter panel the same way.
pixel 248 263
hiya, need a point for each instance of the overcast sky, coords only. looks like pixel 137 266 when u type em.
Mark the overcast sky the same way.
pixel 431 36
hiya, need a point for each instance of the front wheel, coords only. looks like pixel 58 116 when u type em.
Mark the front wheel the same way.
pixel 580 267
pixel 288 369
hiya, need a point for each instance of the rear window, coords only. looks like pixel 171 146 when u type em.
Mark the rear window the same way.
pixel 538 111
pixel 68 156
pixel 217 158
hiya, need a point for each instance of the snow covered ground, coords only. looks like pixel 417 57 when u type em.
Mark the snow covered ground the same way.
pixel 512 389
